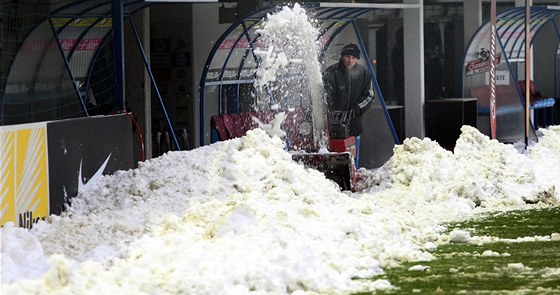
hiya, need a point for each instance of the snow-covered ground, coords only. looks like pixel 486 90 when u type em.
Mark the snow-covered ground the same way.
pixel 240 216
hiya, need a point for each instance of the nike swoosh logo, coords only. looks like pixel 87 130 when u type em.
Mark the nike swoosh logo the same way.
pixel 82 186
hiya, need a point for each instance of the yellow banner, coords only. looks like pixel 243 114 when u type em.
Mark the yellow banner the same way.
pixel 82 22
pixel 24 186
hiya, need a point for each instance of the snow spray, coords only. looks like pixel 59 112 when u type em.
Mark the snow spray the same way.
pixel 289 72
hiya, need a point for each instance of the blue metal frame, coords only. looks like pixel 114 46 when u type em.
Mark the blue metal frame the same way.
pixel 94 59
pixel 118 46
pixel 517 13
pixel 153 80
pixel 249 50
pixel 205 72
pixel 374 80
pixel 534 22
pixel 241 36
pixel 85 8
pixel 82 13
pixel 68 57
pixel 540 16
pixel 253 17
pixel 67 64
pixel 113 9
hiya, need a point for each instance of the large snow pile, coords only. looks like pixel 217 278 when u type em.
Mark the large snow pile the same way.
pixel 241 216
pixel 480 171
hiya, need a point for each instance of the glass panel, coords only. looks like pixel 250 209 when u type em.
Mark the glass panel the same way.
pixel 335 38
pixel 233 59
pixel 512 33
pixel 241 62
pixel 215 72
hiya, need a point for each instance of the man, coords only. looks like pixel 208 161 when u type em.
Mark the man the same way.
pixel 349 88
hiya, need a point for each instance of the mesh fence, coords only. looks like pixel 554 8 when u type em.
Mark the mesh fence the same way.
pixel 53 66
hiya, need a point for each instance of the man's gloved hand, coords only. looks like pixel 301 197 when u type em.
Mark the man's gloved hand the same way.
pixel 350 114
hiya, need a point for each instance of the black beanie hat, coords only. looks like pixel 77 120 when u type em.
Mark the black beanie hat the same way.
pixel 351 49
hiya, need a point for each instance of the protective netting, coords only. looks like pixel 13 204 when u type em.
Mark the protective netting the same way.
pixel 55 61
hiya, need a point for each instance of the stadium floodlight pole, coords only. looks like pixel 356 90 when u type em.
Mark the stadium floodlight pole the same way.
pixel 527 68
pixel 493 69
pixel 118 43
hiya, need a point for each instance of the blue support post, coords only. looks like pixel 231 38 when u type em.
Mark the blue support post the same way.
pixel 153 80
pixel 375 84
pixel 118 41
pixel 69 69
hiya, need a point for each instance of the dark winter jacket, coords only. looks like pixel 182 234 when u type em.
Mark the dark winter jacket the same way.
pixel 347 90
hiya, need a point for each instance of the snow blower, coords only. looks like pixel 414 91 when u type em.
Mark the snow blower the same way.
pixel 338 162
